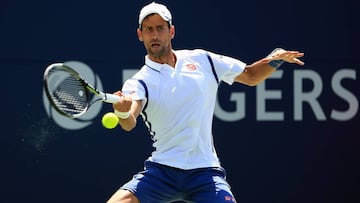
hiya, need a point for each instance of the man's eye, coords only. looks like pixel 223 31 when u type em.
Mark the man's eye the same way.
pixel 151 29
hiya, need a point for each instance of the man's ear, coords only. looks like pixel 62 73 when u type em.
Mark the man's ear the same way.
pixel 172 32
pixel 139 34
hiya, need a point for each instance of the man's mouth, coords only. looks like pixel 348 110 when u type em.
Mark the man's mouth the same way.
pixel 155 45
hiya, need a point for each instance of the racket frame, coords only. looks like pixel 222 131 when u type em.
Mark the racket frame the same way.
pixel 105 97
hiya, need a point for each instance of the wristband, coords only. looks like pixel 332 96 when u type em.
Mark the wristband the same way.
pixel 276 63
pixel 122 115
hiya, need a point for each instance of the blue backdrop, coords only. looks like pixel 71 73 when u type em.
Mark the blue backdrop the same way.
pixel 295 138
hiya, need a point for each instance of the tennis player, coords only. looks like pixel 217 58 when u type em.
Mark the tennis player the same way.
pixel 175 92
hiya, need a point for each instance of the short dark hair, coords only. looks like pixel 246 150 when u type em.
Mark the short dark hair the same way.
pixel 140 26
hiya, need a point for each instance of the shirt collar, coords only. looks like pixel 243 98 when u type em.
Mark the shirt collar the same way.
pixel 154 65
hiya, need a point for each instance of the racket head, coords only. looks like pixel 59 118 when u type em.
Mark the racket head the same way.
pixel 66 90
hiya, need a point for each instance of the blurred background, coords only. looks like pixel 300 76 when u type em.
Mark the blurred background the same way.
pixel 294 138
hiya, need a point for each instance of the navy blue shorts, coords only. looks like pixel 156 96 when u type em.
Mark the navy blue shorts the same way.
pixel 159 184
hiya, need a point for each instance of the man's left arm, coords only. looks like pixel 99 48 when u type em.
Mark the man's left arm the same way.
pixel 260 70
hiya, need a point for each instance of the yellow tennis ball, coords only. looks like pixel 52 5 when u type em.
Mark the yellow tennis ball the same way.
pixel 110 120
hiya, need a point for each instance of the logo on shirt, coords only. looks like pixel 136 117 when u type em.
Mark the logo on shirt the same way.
pixel 230 198
pixel 191 67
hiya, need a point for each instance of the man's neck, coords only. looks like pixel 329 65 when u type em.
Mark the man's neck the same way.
pixel 169 59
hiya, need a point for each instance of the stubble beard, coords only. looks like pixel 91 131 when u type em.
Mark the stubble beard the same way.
pixel 159 53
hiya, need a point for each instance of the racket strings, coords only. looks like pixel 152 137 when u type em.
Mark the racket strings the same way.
pixel 69 95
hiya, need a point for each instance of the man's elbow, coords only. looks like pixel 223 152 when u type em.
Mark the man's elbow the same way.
pixel 249 78
pixel 252 82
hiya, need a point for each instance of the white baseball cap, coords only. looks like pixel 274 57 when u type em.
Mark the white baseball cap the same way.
pixel 155 8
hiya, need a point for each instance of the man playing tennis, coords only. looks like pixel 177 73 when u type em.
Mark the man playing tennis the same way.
pixel 175 92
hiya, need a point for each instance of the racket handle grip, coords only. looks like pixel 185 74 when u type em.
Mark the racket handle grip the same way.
pixel 111 98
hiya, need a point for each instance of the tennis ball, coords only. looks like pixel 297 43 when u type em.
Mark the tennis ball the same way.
pixel 110 120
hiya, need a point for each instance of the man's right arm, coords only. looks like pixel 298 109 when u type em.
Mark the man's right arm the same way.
pixel 128 110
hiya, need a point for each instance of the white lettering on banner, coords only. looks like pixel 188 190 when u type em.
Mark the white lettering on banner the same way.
pixel 310 97
pixel 238 114
pixel 344 94
pixel 301 98
pixel 262 95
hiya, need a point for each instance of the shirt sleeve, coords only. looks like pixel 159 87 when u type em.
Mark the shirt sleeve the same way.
pixel 137 91
pixel 227 68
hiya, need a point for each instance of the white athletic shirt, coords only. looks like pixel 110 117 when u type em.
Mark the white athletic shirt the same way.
pixel 179 104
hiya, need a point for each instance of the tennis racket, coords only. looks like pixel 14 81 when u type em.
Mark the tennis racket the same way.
pixel 69 93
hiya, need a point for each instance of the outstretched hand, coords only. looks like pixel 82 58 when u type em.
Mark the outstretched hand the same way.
pixel 287 56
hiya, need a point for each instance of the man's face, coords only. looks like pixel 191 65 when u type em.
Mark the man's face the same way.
pixel 156 35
